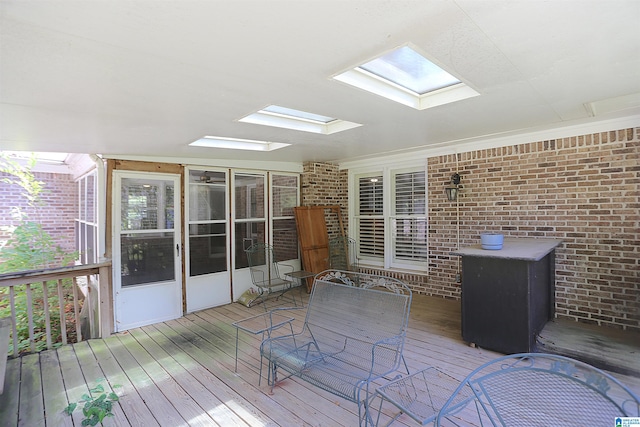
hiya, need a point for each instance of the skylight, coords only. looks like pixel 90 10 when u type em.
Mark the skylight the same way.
pixel 405 76
pixel 237 144
pixel 406 68
pixel 288 118
pixel 303 115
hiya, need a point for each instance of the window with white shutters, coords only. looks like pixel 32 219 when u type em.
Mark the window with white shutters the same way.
pixel 370 217
pixel 391 217
pixel 409 217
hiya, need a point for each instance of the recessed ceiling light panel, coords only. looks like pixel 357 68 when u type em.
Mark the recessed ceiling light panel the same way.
pixel 405 76
pixel 288 118
pixel 237 144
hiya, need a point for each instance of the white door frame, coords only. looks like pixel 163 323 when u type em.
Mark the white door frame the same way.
pixel 147 303
pixel 241 276
pixel 211 289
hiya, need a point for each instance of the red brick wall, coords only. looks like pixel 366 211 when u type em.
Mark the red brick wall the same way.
pixel 56 214
pixel 324 184
pixel 584 190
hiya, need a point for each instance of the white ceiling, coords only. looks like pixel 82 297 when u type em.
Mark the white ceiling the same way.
pixel 145 78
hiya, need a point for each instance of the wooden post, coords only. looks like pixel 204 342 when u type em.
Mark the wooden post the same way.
pixel 47 317
pixel 105 313
pixel 76 310
pixel 32 342
pixel 63 318
pixel 5 325
pixel 14 330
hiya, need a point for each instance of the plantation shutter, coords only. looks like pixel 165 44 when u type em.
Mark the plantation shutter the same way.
pixel 370 216
pixel 409 221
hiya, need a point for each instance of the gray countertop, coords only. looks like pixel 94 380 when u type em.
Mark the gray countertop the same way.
pixel 524 249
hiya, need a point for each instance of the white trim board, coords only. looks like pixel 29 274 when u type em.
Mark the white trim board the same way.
pixel 495 141
pixel 220 163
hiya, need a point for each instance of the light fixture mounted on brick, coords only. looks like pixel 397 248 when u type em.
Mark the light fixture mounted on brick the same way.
pixel 453 189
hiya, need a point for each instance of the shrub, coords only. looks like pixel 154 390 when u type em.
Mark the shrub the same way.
pixel 30 247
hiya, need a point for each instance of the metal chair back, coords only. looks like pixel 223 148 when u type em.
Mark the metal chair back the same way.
pixel 539 389
pixel 265 270
pixel 343 253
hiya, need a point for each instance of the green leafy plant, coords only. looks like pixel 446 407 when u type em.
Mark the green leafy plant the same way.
pixel 30 247
pixel 38 313
pixel 98 405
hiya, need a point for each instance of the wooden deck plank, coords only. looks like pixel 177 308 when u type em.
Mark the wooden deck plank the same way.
pixel 254 342
pixel 182 401
pixel 216 361
pixel 248 344
pixel 189 381
pixel 224 395
pixel 159 405
pixel 10 398
pixel 304 411
pixel 220 383
pixel 297 389
pixel 194 356
pixel 31 405
pixel 133 406
pixel 73 379
pixel 81 371
pixel 53 390
pixel 602 347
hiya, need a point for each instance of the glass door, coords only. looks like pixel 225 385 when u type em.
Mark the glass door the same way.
pixel 285 195
pixel 249 223
pixel 207 265
pixel 146 249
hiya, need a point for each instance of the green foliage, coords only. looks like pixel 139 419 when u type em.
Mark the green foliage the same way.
pixel 39 320
pixel 23 177
pixel 98 405
pixel 29 247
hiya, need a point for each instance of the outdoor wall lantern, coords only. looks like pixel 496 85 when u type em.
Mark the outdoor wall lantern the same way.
pixel 453 189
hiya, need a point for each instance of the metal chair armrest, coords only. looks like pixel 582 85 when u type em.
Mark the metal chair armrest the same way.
pixel 287 266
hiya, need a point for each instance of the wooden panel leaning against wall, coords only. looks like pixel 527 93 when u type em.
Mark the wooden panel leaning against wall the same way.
pixel 313 237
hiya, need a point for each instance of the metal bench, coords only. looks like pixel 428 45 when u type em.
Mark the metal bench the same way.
pixel 353 333
pixel 536 389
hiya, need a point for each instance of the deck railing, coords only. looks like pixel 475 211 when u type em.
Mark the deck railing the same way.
pixel 89 287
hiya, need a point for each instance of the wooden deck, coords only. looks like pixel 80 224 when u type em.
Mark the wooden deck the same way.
pixel 181 373
pixel 603 347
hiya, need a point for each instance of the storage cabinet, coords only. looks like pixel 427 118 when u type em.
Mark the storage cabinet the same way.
pixel 508 295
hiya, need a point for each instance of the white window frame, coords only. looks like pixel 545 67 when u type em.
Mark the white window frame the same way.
pixel 366 259
pixel 83 221
pixel 394 216
pixel 387 171
pixel 188 206
pixel 272 218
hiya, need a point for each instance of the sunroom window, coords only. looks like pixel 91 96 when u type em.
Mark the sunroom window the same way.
pixel 86 223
